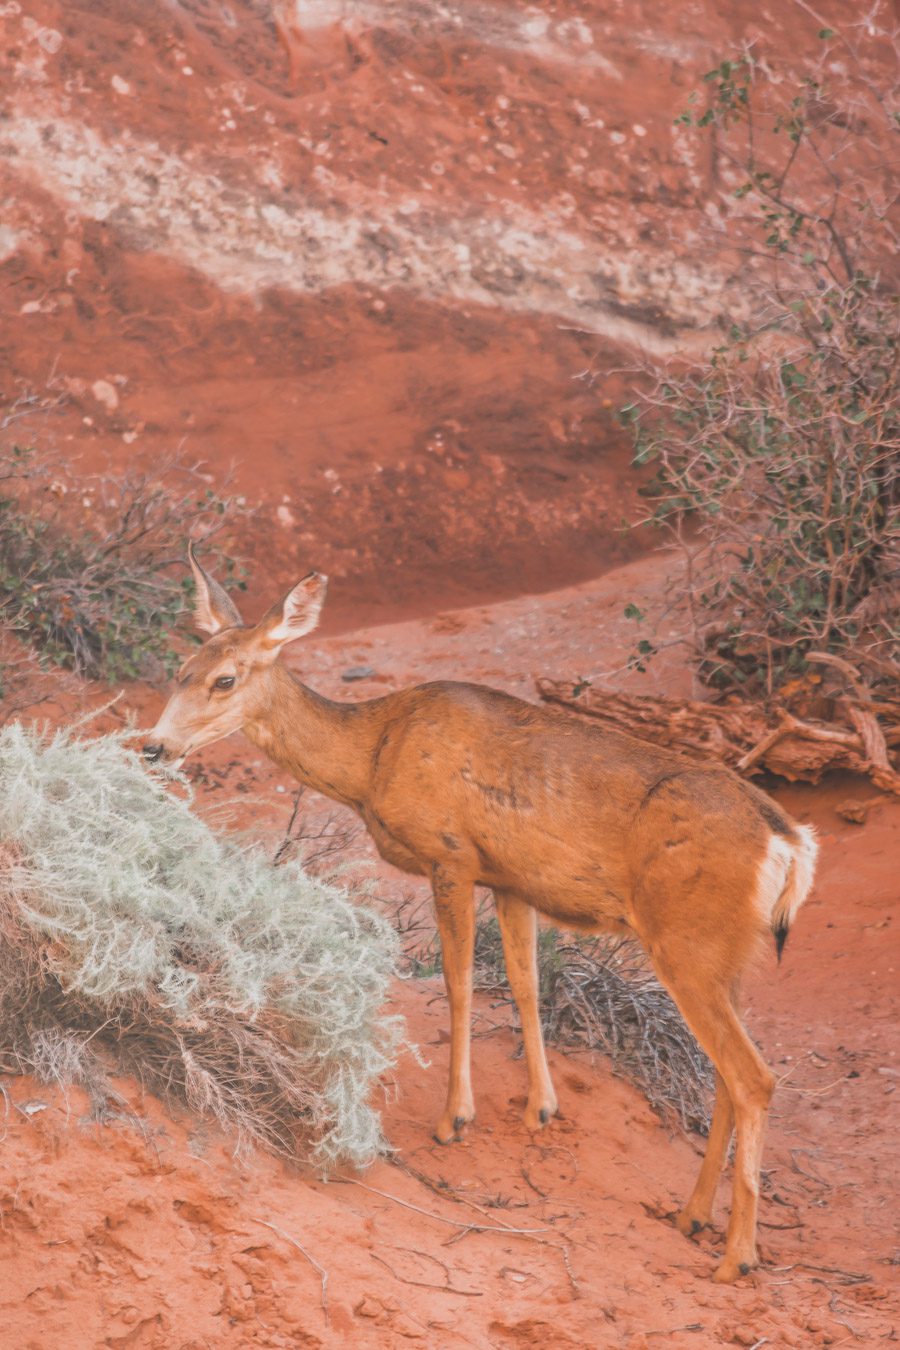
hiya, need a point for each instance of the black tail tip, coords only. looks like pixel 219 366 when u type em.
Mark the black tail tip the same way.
pixel 781 933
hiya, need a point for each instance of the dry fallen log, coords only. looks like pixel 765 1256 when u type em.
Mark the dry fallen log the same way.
pixel 748 737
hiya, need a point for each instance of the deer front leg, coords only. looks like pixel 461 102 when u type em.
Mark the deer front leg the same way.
pixel 518 928
pixel 454 902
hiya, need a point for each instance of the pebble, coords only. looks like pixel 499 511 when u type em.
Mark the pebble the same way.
pixel 357 673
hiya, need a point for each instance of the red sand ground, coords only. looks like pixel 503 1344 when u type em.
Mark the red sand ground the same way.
pixel 144 1232
pixel 377 297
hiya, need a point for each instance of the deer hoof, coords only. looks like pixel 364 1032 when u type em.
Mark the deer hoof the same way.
pixel 729 1271
pixel 689 1225
pixel 536 1119
pixel 450 1129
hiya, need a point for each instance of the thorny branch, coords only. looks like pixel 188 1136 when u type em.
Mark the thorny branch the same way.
pixel 777 464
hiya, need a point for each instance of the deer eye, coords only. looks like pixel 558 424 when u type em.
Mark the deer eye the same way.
pixel 224 682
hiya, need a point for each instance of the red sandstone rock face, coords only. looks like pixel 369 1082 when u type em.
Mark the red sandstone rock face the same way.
pixel 382 290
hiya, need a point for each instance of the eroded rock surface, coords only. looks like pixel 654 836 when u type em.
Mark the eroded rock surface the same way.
pixel 402 291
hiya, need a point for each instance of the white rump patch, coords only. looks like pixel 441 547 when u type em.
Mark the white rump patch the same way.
pixel 785 877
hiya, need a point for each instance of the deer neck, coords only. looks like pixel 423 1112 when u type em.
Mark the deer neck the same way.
pixel 326 745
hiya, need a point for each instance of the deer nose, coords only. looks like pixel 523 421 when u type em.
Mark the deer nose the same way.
pixel 152 753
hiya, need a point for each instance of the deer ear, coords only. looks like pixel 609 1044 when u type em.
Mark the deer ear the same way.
pixel 213 607
pixel 297 614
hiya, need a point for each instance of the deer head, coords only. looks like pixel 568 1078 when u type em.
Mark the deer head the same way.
pixel 228 682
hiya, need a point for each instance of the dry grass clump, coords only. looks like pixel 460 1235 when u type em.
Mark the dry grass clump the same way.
pixel 602 995
pixel 597 993
pixel 134 939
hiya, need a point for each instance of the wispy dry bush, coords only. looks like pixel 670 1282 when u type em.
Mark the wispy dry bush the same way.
pixel 133 939
pixel 319 842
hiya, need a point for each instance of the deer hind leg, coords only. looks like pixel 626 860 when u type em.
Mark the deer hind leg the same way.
pixel 454 901
pixel 709 1011
pixel 518 928
pixel 698 1210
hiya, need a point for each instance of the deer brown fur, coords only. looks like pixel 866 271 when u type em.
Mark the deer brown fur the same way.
pixel 594 829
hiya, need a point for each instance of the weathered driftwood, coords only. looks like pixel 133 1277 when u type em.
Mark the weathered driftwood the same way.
pixel 859 735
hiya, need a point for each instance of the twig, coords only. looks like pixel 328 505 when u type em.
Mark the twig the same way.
pixel 534 1234
pixel 5 1111
pixel 439 1218
pixel 322 1272
pixel 331 837
pixel 742 735
pixel 834 1312
pixel 817 1091
pixel 33 406
pixel 563 1248
pixel 787 724
pixel 447 1194
pixel 288 840
pixel 851 1276
pixel 527 1179
pixel 447 1288
pixel 812 1176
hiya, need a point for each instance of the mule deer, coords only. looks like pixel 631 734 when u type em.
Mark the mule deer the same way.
pixel 596 830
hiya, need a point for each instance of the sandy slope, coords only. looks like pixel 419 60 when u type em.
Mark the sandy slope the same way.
pixel 142 1232
pixel 380 296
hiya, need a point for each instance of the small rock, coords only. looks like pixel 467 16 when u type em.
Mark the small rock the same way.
pixel 105 393
pixel 357 673
pixel 50 39
pixel 856 812
pixel 32 1108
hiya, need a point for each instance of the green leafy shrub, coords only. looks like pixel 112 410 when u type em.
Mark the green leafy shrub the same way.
pixel 777 463
pixel 134 939
pixel 92 571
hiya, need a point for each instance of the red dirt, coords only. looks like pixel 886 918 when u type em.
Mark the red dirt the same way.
pixel 144 1232
pixel 375 298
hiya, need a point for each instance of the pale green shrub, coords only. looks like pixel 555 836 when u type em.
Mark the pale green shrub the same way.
pixel 133 938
